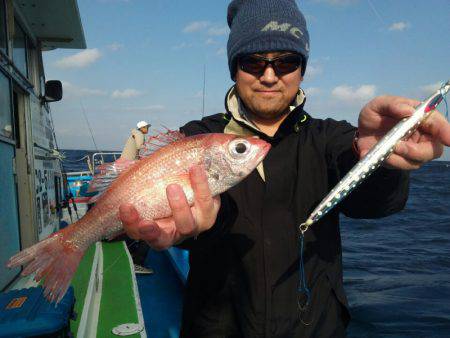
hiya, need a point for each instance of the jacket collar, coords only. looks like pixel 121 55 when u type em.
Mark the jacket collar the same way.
pixel 292 123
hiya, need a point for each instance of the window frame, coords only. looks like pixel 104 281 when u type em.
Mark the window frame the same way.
pixel 33 64
pixel 12 139
pixel 26 38
pixel 4 7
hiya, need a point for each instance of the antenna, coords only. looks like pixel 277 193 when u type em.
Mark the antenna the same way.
pixel 204 85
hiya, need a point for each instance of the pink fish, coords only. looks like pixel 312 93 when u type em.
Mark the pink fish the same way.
pixel 227 160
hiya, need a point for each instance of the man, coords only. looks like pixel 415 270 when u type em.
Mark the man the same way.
pixel 138 249
pixel 135 141
pixel 244 249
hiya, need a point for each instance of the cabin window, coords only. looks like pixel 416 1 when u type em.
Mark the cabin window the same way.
pixel 40 68
pixel 41 81
pixel 33 74
pixel 6 125
pixel 20 49
pixel 3 38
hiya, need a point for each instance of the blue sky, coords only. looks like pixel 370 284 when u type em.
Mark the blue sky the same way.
pixel 145 60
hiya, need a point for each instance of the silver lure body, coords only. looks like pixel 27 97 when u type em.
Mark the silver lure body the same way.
pixel 376 156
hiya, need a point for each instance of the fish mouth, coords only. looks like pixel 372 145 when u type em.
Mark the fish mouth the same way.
pixel 264 149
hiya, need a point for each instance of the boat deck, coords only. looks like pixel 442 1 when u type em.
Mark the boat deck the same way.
pixel 161 297
pixel 160 294
pixel 109 294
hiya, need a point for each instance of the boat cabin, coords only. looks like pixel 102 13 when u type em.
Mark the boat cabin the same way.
pixel 31 182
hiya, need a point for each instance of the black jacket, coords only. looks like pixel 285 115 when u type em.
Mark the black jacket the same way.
pixel 244 272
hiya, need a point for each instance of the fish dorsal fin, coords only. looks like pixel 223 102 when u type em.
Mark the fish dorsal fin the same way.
pixel 155 142
pixel 106 174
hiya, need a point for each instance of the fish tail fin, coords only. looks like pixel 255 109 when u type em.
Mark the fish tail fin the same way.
pixel 54 260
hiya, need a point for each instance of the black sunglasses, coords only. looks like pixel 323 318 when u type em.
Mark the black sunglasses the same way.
pixel 283 64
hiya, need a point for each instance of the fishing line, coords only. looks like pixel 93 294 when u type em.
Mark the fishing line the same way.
pixel 135 242
pixel 112 264
pixel 376 13
pixel 303 286
pixel 89 126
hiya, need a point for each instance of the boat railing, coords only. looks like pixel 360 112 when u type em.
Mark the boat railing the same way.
pixel 77 180
pixel 79 173
pixel 99 159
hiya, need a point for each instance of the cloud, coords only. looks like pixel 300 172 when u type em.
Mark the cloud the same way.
pixel 310 18
pixel 221 51
pixel 115 46
pixel 198 95
pixel 430 88
pixel 150 108
pixel 313 69
pixel 399 26
pixel 312 91
pixel 181 46
pixel 206 26
pixel 70 91
pixel 79 60
pixel 210 41
pixel 338 2
pixel 349 94
pixel 217 31
pixel 125 94
pixel 110 1
pixel 196 26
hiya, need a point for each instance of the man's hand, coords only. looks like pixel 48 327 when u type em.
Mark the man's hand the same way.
pixel 185 221
pixel 425 144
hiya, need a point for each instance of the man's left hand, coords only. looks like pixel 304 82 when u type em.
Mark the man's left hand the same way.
pixel 382 113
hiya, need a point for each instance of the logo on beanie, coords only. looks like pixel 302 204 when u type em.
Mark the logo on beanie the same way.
pixel 284 27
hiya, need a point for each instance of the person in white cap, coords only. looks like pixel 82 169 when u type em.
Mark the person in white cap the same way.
pixel 135 141
pixel 138 249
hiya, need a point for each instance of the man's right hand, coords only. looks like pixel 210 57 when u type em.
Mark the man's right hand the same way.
pixel 185 222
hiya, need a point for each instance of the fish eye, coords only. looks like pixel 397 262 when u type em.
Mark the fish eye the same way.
pixel 239 147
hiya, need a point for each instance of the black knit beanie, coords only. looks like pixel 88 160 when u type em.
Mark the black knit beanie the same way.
pixel 265 26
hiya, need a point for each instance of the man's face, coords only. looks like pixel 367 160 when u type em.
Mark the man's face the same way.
pixel 267 96
pixel 144 130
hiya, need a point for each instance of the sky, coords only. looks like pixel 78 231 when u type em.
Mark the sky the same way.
pixel 146 60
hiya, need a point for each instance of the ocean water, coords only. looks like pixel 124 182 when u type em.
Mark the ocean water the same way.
pixel 396 269
pixel 75 160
